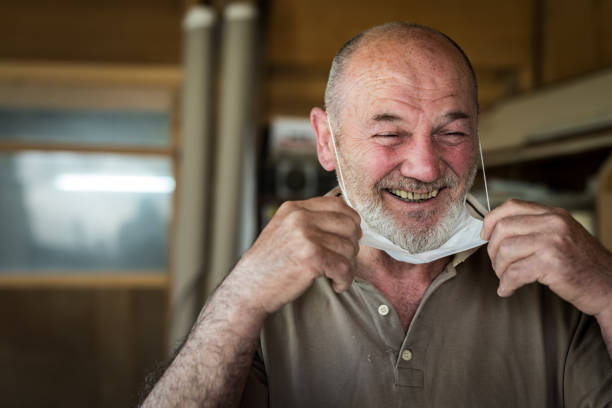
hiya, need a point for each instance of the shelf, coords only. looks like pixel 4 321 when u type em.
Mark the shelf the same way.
pixel 82 281
pixel 549 149
pixel 89 74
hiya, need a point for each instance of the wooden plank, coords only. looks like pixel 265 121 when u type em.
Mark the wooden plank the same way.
pixel 302 42
pixel 168 76
pixel 27 94
pixel 82 148
pixel 109 280
pixel 112 31
pixel 566 147
pixel 114 339
pixel 293 37
pixel 577 38
pixel 47 341
pixel 78 348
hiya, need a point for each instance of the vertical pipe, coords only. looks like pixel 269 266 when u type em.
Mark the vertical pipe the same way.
pixel 235 137
pixel 188 255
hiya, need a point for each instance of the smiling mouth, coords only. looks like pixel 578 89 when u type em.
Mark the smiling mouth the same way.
pixel 412 197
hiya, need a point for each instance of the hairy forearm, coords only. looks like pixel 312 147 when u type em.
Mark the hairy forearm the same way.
pixel 211 368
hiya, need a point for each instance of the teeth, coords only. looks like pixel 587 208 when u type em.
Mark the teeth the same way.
pixel 408 195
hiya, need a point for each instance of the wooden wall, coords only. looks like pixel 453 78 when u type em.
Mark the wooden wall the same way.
pixel 303 37
pixel 577 38
pixel 514 45
pixel 110 31
pixel 78 347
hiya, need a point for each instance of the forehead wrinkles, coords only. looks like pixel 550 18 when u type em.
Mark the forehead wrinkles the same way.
pixel 413 69
pixel 371 94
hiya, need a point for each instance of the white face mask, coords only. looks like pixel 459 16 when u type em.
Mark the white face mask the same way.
pixel 466 234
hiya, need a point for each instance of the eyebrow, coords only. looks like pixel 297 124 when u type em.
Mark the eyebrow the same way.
pixel 385 117
pixel 454 115
pixel 390 117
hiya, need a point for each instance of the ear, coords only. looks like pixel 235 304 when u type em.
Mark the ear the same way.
pixel 325 147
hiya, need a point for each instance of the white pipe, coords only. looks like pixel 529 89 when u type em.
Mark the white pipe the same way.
pixel 188 254
pixel 235 170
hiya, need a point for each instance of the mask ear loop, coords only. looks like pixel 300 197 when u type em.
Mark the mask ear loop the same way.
pixel 484 175
pixel 342 186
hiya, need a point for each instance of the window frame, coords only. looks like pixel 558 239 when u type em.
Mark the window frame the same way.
pixel 116 87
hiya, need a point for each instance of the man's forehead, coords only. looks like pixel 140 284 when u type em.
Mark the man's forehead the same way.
pixel 415 63
pixel 410 44
pixel 377 93
pixel 421 66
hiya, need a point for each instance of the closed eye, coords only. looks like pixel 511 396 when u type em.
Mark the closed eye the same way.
pixel 452 138
pixel 388 139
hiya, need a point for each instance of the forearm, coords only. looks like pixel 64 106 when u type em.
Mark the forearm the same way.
pixel 212 366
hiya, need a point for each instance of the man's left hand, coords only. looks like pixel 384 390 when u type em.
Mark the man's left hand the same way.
pixel 530 242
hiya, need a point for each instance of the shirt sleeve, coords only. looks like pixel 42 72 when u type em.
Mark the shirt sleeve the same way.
pixel 255 394
pixel 588 367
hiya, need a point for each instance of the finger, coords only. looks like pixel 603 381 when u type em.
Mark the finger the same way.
pixel 307 222
pixel 341 274
pixel 296 215
pixel 344 246
pixel 333 204
pixel 519 273
pixel 511 250
pixel 512 226
pixel 336 223
pixel 511 207
pixel 338 268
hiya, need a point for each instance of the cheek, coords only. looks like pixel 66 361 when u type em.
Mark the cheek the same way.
pixel 459 159
pixel 376 162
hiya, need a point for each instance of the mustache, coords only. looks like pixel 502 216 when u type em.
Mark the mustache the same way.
pixel 412 184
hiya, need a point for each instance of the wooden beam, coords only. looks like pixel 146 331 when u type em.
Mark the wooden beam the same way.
pixel 82 148
pixel 499 157
pixel 91 74
pixel 82 280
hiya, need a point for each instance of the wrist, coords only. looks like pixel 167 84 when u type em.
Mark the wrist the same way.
pixel 234 304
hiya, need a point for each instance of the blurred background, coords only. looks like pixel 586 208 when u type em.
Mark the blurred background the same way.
pixel 144 144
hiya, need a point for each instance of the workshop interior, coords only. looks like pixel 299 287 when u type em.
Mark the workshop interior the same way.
pixel 145 144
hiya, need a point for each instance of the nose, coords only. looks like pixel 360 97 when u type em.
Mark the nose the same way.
pixel 420 158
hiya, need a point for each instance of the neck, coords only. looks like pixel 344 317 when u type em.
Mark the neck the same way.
pixel 401 283
pixel 375 265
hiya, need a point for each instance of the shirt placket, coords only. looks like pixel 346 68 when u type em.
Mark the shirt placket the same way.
pixel 407 351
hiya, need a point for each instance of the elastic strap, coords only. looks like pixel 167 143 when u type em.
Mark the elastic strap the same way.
pixel 484 175
pixel 342 186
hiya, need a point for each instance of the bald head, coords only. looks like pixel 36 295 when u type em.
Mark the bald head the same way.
pixel 406 40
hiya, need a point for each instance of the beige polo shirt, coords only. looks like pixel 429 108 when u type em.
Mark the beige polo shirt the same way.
pixel 466 347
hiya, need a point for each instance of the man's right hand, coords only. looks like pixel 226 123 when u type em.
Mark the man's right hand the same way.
pixel 303 241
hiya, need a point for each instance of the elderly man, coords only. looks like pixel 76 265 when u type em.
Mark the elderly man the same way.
pixel 311 317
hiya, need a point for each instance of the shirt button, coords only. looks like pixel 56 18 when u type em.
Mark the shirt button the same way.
pixel 406 355
pixel 383 310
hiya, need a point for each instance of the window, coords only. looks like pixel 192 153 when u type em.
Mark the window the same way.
pixel 86 173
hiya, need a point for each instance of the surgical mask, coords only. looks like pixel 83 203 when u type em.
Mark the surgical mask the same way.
pixel 466 234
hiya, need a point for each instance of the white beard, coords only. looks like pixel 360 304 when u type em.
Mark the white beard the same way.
pixel 370 208
pixel 412 241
